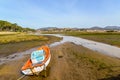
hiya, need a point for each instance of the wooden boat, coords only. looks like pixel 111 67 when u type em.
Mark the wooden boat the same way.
pixel 30 69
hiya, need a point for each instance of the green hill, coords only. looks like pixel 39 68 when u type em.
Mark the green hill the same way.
pixel 8 26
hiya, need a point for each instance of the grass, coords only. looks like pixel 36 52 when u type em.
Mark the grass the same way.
pixel 106 37
pixel 109 38
pixel 17 42
pixel 98 65
pixel 13 38
pixel 91 58
pixel 5 33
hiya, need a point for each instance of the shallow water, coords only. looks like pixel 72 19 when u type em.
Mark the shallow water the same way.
pixel 95 46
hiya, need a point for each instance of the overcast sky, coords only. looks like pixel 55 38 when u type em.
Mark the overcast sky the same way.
pixel 61 13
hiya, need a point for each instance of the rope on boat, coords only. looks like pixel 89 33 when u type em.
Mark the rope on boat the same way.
pixel 21 77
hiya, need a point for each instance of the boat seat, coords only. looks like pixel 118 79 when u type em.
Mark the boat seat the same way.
pixel 37 56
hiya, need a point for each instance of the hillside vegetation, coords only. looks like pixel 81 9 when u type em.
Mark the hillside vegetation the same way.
pixel 7 26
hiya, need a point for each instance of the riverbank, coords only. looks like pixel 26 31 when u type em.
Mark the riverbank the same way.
pixel 111 38
pixel 17 42
pixel 68 62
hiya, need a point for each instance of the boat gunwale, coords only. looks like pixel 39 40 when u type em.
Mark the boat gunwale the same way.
pixel 48 55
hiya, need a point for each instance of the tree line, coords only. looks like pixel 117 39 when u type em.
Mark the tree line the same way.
pixel 7 26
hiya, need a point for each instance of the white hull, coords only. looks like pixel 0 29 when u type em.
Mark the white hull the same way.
pixel 36 70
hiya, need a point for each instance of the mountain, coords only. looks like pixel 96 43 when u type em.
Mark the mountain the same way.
pixel 92 28
pixel 105 28
pixel 96 28
pixel 112 28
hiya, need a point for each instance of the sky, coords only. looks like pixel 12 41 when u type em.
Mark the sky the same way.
pixel 61 13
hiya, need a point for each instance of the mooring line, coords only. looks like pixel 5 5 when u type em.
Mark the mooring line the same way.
pixel 21 77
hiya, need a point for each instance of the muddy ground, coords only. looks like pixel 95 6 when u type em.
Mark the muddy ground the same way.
pixel 68 62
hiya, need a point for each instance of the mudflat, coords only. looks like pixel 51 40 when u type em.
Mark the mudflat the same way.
pixel 68 62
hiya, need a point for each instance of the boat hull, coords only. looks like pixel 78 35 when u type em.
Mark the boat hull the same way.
pixel 36 69
pixel 30 69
